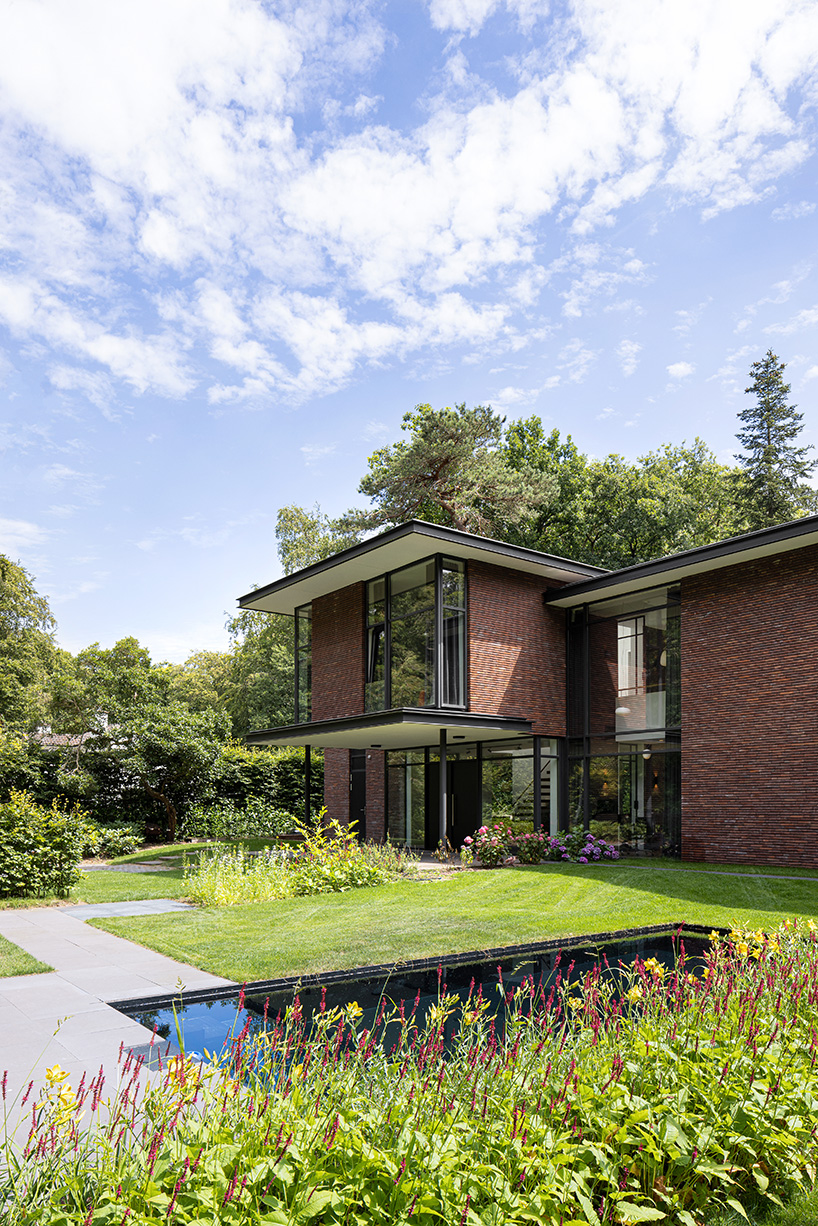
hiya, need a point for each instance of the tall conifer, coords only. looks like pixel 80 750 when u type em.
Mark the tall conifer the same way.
pixel 775 467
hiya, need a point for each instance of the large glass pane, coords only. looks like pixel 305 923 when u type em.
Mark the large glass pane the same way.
pixel 375 668
pixel 412 589
pixel 454 658
pixel 303 664
pixel 413 661
pixel 406 793
pixel 634 797
pixel 454 584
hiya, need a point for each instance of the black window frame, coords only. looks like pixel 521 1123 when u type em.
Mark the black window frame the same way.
pixel 299 651
pixel 439 560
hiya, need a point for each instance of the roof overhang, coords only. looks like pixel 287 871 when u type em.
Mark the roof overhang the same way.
pixel 736 549
pixel 402 546
pixel 407 728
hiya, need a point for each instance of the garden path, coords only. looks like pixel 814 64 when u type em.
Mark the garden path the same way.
pixel 63 1017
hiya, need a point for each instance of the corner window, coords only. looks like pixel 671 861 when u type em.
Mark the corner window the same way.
pixel 303 664
pixel 415 654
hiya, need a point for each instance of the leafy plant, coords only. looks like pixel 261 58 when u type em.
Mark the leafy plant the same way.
pixel 637 1095
pixel 40 849
pixel 228 820
pixel 328 860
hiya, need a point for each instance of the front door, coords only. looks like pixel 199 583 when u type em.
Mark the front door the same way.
pixel 462 802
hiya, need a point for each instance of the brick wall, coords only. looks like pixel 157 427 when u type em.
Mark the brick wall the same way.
pixel 336 784
pixel 337 654
pixel 375 790
pixel 516 649
pixel 750 712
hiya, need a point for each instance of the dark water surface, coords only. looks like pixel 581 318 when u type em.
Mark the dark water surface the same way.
pixel 208 1019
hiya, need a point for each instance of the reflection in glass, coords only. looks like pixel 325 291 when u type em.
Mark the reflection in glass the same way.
pixel 633 802
pixel 413 660
pixel 303 664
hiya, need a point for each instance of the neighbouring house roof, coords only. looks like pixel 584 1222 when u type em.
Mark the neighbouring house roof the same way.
pixel 405 728
pixel 401 546
pixel 766 542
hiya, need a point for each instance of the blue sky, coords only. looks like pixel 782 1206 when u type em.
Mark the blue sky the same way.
pixel 241 240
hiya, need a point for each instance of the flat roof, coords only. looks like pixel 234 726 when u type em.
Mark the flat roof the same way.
pixel 763 543
pixel 401 546
pixel 404 728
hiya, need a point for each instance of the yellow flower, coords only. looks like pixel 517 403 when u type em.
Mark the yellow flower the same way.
pixel 55 1075
pixel 811 925
pixel 742 948
pixel 653 967
pixel 715 937
pixel 575 1002
pixel 635 994
pixel 354 1011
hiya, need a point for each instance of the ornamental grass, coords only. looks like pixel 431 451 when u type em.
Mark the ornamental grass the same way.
pixel 632 1095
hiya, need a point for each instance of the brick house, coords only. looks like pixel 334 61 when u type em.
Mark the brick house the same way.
pixel 671 707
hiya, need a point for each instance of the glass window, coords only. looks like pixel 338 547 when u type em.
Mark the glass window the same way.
pixel 415 650
pixel 303 664
pixel 375 666
pixel 508 784
pixel 453 646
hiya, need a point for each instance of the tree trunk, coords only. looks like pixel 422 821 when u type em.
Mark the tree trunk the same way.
pixel 169 809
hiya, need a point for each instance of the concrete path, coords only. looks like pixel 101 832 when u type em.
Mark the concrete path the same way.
pixel 137 906
pixel 62 1017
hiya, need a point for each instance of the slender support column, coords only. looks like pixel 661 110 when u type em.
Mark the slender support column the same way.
pixel 443 793
pixel 537 756
pixel 307 785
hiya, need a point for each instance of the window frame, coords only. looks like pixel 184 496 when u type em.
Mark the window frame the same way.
pixel 439 560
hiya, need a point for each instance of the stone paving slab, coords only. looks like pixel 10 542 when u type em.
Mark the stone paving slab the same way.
pixel 62 1017
pixel 139 906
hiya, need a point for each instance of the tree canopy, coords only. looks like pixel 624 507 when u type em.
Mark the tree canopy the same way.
pixel 26 648
pixel 451 469
pixel 775 467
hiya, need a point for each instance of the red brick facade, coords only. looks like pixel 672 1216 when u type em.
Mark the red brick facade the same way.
pixel 516 649
pixel 336 784
pixel 375 794
pixel 750 712
pixel 337 653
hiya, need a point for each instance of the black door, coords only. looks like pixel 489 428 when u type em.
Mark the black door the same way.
pixel 462 802
pixel 357 791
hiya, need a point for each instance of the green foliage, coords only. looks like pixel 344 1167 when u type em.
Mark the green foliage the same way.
pixel 108 842
pixel 227 820
pixel 329 860
pixel 306 536
pixel 613 512
pixel 40 849
pixel 775 468
pixel 204 682
pixel 453 470
pixel 629 1096
pixel 273 775
pixel 26 648
pixel 172 752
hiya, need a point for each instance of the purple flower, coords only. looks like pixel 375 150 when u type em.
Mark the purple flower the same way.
pixel 582 860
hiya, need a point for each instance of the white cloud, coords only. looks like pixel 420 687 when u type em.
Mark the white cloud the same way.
pixel 680 370
pixel 807 318
pixel 314 452
pixel 793 211
pixel 176 207
pixel 18 536
pixel 628 353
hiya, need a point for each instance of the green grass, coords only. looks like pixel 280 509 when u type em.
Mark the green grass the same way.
pixel 15 961
pixel 460 912
pixel 802 1211
pixel 174 853
pixel 752 870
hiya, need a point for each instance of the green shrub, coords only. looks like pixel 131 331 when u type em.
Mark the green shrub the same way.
pixel 257 818
pixel 40 849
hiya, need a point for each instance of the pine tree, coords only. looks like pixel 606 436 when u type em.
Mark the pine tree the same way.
pixel 775 468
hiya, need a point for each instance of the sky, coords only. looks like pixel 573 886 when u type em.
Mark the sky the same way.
pixel 240 240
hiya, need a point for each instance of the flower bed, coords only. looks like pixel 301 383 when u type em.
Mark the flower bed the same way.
pixel 498 845
pixel 665 1097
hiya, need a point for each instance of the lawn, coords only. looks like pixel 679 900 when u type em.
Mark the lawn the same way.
pixel 462 911
pixel 15 961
